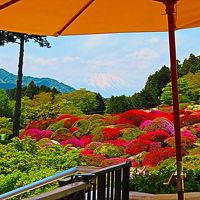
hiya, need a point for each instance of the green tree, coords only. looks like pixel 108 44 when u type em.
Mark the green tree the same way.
pixel 101 104
pixel 21 39
pixel 5 105
pixel 192 64
pixel 31 90
pixel 142 100
pixel 155 83
pixel 83 99
pixel 166 96
pixel 193 86
pixel 118 104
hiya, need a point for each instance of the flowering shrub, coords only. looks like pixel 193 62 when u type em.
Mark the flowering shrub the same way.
pixel 160 124
pixel 64 116
pixel 82 124
pixel 109 150
pixel 190 119
pixel 93 159
pixel 40 124
pixel 112 161
pixel 85 140
pixel 165 115
pixel 131 133
pixel 186 142
pixel 73 129
pixel 110 133
pixel 144 123
pixel 62 136
pixel 56 125
pixel 73 141
pixel 197 131
pixel 155 136
pixel 134 147
pixel 98 134
pixel 68 122
pixel 93 145
pixel 135 117
pixel 152 158
pixel 188 133
pixel 87 152
pixel 154 146
pixel 118 142
pixel 36 134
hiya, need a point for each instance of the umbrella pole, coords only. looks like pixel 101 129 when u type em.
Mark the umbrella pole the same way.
pixel 174 76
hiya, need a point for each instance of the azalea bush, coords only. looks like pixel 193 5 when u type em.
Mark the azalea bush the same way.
pixel 146 138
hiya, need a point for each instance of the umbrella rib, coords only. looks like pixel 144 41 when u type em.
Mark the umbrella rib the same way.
pixel 75 17
pixel 9 3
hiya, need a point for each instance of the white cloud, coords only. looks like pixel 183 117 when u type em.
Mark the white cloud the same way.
pixel 154 40
pixel 95 41
pixel 106 80
pixel 69 59
pixel 146 54
pixel 42 61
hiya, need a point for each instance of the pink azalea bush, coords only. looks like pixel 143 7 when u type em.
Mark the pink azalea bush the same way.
pixel 36 134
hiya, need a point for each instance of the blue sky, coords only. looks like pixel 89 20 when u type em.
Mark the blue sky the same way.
pixel 111 64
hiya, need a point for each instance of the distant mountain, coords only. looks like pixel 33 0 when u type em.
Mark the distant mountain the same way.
pixel 8 81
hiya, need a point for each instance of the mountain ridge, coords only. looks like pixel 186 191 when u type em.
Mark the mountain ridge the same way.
pixel 8 81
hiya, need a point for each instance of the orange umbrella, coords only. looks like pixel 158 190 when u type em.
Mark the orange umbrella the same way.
pixel 68 17
pixel 73 17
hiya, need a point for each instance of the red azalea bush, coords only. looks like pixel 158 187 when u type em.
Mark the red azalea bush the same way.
pixel 85 140
pixel 152 158
pixel 111 133
pixel 73 129
pixel 64 116
pixel 133 147
pixel 135 117
pixel 155 136
pixel 168 116
pixel 187 120
pixel 87 152
pixel 154 146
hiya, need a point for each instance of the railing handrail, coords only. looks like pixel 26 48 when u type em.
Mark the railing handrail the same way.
pixel 112 168
pixel 62 191
pixel 37 184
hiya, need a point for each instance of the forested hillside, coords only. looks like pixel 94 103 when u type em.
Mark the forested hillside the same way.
pixel 8 81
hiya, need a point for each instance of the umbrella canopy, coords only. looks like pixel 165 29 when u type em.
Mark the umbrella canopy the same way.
pixel 69 17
